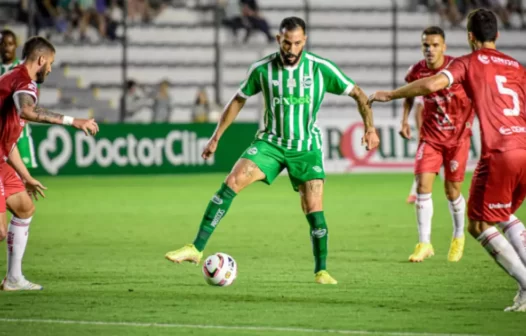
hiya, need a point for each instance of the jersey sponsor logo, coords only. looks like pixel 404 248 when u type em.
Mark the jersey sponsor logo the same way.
pixel 290 100
pixel 252 151
pixel 32 87
pixel 275 83
pixel 291 83
pixel 504 61
pixel 483 59
pixel 499 205
pixel 317 169
pixel 511 130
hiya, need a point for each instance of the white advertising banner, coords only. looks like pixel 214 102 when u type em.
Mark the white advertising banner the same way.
pixel 343 151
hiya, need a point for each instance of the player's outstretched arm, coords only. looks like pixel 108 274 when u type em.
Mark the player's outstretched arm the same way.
pixel 33 186
pixel 405 129
pixel 230 113
pixel 25 104
pixel 421 87
pixel 370 137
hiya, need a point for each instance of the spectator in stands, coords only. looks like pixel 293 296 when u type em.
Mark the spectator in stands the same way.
pixel 250 10
pixel 90 11
pixel 135 100
pixel 516 6
pixel 162 103
pixel 139 10
pixel 203 110
pixel 233 17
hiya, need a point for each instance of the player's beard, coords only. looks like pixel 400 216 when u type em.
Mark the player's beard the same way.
pixel 41 75
pixel 285 55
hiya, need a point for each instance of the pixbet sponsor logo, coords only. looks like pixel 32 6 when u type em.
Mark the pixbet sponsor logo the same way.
pixel 290 100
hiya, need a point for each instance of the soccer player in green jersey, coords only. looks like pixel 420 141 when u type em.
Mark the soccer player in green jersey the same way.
pixel 293 83
pixel 8 45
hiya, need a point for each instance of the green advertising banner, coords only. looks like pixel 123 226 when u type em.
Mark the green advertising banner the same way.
pixel 137 149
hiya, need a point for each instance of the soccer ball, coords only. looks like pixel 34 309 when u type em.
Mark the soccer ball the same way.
pixel 220 269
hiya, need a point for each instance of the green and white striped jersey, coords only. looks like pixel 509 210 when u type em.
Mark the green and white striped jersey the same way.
pixel 293 96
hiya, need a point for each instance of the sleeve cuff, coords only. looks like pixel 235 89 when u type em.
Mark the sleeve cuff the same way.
pixel 449 77
pixel 241 94
pixel 348 90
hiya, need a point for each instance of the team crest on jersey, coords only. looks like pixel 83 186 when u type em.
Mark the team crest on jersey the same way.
pixel 291 83
pixel 275 83
pixel 483 59
pixel 307 82
pixel 317 169
pixel 453 165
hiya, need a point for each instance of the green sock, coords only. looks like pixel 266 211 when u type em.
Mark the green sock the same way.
pixel 319 237
pixel 216 210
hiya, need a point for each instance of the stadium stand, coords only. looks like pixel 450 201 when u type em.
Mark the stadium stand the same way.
pixel 179 46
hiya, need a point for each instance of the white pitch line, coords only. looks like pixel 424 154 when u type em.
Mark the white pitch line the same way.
pixel 223 327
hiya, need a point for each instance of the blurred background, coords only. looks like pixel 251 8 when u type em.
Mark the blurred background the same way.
pixel 180 61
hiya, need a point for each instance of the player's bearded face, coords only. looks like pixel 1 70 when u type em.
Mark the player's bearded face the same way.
pixel 291 45
pixel 45 69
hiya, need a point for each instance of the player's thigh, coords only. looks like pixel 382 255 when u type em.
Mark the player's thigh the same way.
pixel 428 159
pixel 311 194
pixel 494 186
pixel 260 162
pixel 304 167
pixel 456 160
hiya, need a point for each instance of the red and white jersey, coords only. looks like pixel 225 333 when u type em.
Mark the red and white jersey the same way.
pixel 14 82
pixel 448 114
pixel 496 83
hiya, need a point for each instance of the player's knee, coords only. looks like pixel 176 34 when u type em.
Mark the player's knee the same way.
pixel 25 210
pixel 452 190
pixel 311 205
pixel 236 182
pixel 475 228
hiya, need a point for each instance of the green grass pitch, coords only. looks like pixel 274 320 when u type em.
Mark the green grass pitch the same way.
pixel 97 245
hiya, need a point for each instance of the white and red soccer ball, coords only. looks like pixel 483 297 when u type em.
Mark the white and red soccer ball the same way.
pixel 220 269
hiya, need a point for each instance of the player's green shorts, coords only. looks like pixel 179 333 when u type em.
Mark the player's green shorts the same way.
pixel 271 159
pixel 26 148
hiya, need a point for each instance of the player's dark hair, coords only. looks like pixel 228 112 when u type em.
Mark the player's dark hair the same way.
pixel 7 32
pixel 482 23
pixel 434 30
pixel 36 46
pixel 291 23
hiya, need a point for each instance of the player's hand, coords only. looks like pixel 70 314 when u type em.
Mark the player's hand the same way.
pixel 210 148
pixel 405 131
pixel 370 139
pixel 35 188
pixel 379 96
pixel 88 126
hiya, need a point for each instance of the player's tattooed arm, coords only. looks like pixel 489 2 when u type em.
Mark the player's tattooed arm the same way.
pixel 29 111
pixel 365 110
